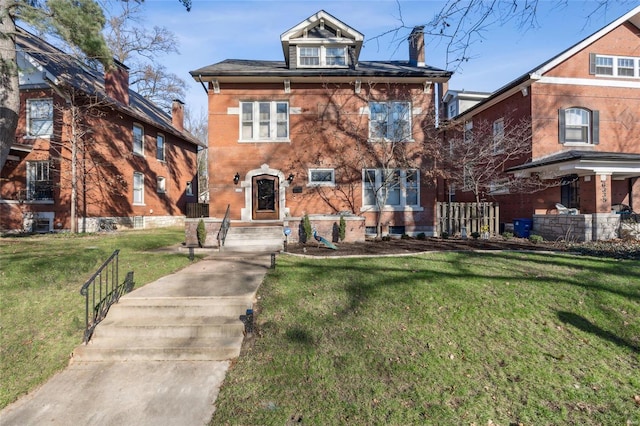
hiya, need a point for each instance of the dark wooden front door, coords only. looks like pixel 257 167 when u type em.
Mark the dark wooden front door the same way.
pixel 265 197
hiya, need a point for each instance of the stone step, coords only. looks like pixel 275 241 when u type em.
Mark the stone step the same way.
pixel 158 349
pixel 173 327
pixel 174 307
pixel 254 239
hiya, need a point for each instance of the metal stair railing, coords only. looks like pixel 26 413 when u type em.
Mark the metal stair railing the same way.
pixel 101 291
pixel 224 228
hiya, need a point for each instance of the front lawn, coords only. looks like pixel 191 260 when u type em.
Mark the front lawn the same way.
pixel 442 338
pixel 41 311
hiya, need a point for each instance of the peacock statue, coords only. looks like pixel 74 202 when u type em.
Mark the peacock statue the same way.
pixel 322 240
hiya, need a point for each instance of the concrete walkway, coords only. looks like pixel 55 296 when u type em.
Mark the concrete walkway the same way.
pixel 156 358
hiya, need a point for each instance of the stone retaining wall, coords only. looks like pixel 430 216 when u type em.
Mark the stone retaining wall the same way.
pixel 578 228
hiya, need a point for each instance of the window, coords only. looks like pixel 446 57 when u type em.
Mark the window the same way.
pixel 317 56
pixel 161 185
pixel 39 117
pixel 570 191
pixel 616 66
pixel 625 67
pixel 392 188
pixel 138 139
pixel 498 136
pixel 578 125
pixel 390 121
pixel 452 110
pixel 500 186
pixel 322 177
pixel 468 131
pixel 467 177
pixel 189 189
pixel 160 147
pixel 39 183
pixel 138 188
pixel 264 121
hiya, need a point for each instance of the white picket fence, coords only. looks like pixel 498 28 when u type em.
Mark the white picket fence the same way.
pixel 474 217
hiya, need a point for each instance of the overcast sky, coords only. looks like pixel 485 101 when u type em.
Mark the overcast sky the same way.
pixel 216 30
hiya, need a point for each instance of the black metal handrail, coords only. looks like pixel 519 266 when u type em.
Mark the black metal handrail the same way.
pixel 101 291
pixel 224 227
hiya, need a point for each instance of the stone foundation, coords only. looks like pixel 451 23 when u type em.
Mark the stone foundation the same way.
pixel 578 227
pixel 327 227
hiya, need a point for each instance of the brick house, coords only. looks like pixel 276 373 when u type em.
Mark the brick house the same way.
pixel 322 133
pixel 89 149
pixel 583 106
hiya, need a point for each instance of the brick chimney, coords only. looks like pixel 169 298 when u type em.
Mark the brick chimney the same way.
pixel 116 82
pixel 177 115
pixel 416 47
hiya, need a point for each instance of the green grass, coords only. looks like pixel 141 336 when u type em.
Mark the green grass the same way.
pixel 442 338
pixel 41 311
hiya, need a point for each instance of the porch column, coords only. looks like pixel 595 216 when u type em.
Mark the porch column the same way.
pixel 595 194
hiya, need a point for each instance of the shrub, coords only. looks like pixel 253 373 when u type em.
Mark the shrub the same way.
pixel 475 235
pixel 535 239
pixel 445 235
pixel 405 237
pixel 507 235
pixel 342 229
pixel 386 238
pixel 201 232
pixel 306 228
pixel 421 236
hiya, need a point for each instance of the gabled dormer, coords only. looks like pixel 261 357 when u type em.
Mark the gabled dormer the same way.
pixel 321 41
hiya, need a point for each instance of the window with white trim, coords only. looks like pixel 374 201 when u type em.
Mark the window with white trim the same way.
pixel 322 56
pixel 39 117
pixel 161 185
pixel 578 125
pixel 390 121
pixel 614 66
pixel 264 121
pixel 498 136
pixel 322 177
pixel 468 131
pixel 160 147
pixel 390 188
pixel 39 183
pixel 138 139
pixel 138 188
pixel 500 186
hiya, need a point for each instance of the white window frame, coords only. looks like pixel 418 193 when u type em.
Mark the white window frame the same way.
pixel 468 131
pixel 160 147
pixel 584 128
pixel 38 172
pixel 251 119
pixel 40 117
pixel 138 139
pixel 315 182
pixel 615 66
pixel 499 187
pixel 383 115
pixel 161 185
pixel 498 136
pixel 403 187
pixel 323 56
pixel 138 189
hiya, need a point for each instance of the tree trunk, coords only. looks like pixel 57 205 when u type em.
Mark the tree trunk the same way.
pixel 9 85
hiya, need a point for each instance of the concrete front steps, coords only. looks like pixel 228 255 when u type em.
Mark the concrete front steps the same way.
pixel 168 329
pixel 267 238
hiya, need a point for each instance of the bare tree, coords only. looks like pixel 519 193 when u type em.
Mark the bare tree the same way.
pixel 460 24
pixel 474 156
pixel 198 126
pixel 139 48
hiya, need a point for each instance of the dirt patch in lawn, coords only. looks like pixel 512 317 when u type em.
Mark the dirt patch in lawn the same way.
pixel 414 245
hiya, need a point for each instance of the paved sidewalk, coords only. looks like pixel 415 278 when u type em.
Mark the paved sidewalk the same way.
pixel 146 392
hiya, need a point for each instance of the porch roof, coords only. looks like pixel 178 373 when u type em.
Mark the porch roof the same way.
pixel 582 163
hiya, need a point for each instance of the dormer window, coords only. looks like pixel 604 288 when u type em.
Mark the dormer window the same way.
pixel 322 56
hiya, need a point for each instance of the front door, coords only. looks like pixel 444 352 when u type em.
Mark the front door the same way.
pixel 265 197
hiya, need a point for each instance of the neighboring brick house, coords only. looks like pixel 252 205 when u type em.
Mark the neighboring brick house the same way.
pixel 122 158
pixel 313 134
pixel 584 110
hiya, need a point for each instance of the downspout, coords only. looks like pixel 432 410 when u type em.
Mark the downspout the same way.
pixel 202 83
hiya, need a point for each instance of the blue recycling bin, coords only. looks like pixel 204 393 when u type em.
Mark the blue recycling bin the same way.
pixel 522 227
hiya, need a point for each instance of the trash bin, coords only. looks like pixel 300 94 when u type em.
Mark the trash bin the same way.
pixel 522 227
